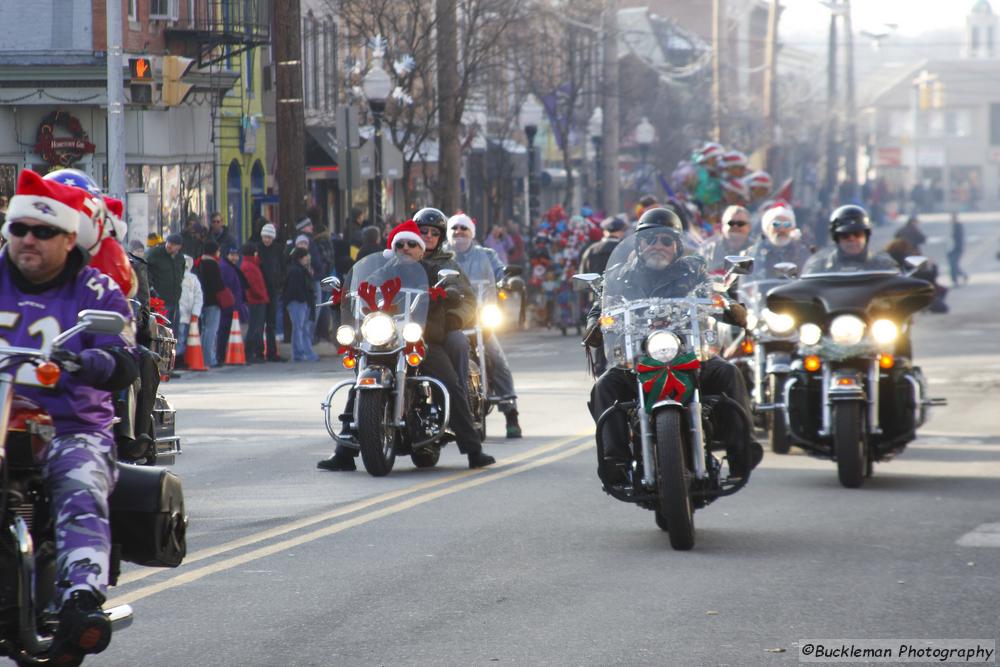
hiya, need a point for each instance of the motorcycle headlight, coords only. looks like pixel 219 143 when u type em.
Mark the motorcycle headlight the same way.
pixel 345 335
pixel 751 321
pixel 412 332
pixel 847 329
pixel 490 316
pixel 779 323
pixel 810 334
pixel 662 346
pixel 378 328
pixel 884 331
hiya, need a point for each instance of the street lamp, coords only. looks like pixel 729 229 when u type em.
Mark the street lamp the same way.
pixel 645 133
pixel 531 116
pixel 377 86
pixel 595 127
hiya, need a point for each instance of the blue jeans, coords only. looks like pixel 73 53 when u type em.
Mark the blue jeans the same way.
pixel 209 333
pixel 302 350
pixel 182 338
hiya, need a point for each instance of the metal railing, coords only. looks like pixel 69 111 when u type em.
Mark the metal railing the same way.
pixel 229 20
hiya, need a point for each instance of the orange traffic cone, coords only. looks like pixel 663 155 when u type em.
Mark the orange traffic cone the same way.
pixel 235 354
pixel 193 356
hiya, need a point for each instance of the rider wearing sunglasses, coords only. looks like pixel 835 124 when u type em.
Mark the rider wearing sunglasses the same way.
pixel 735 239
pixel 850 230
pixel 780 242
pixel 659 269
pixel 44 284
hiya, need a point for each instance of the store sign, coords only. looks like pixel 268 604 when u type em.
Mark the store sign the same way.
pixel 889 157
pixel 61 141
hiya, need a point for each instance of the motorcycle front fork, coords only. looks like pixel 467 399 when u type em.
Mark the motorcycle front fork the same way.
pixel 646 436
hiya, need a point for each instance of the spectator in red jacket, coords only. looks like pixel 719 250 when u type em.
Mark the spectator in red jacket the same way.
pixel 257 300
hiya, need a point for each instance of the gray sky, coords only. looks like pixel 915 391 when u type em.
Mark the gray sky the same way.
pixel 809 18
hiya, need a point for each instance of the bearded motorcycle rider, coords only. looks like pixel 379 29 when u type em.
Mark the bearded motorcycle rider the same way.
pixel 851 230
pixel 780 242
pixel 659 269
pixel 735 238
pixel 444 317
pixel 462 240
pixel 44 284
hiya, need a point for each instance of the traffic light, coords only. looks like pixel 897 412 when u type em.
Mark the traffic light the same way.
pixel 141 80
pixel 174 90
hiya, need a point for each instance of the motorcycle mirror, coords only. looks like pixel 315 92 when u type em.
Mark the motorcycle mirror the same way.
pixel 102 321
pixel 787 269
pixel 583 280
pixel 447 277
pixel 739 265
pixel 332 282
pixel 916 263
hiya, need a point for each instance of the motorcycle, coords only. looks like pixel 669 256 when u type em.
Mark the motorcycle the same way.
pixel 148 523
pixel 489 317
pixel 762 351
pixel 673 429
pixel 394 410
pixel 852 393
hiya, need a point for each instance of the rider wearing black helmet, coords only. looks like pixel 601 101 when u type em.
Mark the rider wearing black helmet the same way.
pixel 851 231
pixel 658 268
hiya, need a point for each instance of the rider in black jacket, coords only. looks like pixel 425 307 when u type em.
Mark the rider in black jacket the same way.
pixel 659 270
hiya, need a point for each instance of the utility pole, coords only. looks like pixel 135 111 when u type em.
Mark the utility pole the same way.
pixel 717 32
pixel 450 148
pixel 832 154
pixel 771 87
pixel 609 103
pixel 287 40
pixel 851 149
pixel 116 102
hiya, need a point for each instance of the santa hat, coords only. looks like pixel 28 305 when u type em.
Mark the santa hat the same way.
pixel 708 151
pixel 50 202
pixel 461 218
pixel 405 231
pixel 773 214
pixel 737 187
pixel 759 179
pixel 734 159
pixel 116 211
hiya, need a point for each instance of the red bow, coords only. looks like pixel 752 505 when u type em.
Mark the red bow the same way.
pixel 337 296
pixel 437 293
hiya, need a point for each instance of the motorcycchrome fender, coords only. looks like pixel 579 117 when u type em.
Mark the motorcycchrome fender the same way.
pixel 376 377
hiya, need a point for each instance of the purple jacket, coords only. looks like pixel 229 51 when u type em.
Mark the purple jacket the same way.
pixel 231 279
pixel 32 320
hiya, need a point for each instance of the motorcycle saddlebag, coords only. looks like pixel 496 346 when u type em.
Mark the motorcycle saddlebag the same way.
pixel 147 516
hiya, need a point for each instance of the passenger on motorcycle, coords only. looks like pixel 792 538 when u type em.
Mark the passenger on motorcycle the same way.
pixel 850 230
pixel 44 284
pixel 781 242
pixel 446 316
pixel 660 270
pixel 462 240
pixel 735 238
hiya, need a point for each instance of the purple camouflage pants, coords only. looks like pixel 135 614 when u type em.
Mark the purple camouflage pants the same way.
pixel 80 473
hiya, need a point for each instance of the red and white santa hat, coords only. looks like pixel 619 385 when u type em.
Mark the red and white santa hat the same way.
pixel 461 219
pixel 116 211
pixel 759 179
pixel 734 159
pixel 737 187
pixel 405 231
pixel 50 202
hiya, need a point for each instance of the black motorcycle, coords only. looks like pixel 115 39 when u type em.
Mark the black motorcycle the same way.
pixel 395 410
pixel 148 523
pixel 673 428
pixel 853 394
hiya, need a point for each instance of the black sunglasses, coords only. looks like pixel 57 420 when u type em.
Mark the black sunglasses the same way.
pixel 40 232
pixel 430 231
pixel 406 244
pixel 662 239
pixel 738 223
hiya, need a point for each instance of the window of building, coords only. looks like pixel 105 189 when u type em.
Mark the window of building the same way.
pixel 133 10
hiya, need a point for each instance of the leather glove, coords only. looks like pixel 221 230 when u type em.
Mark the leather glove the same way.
pixel 594 336
pixel 452 295
pixel 91 367
pixel 738 312
pixel 66 360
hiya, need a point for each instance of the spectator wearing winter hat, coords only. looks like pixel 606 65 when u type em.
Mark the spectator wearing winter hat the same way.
pixel 595 258
pixel 237 284
pixel 371 242
pixel 735 239
pixel 193 236
pixel 257 299
pixel 781 241
pixel 300 299
pixel 272 266
pixel 166 274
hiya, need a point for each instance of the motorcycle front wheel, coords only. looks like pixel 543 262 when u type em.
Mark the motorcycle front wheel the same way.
pixel 673 482
pixel 376 438
pixel 849 443
pixel 776 432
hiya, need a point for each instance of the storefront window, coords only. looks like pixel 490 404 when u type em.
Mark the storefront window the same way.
pixel 8 180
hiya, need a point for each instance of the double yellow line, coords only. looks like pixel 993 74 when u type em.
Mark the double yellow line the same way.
pixel 529 460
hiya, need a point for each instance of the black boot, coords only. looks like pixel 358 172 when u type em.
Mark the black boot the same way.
pixel 338 463
pixel 513 428
pixel 480 459
pixel 83 628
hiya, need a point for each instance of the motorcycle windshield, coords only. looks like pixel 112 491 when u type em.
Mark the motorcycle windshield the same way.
pixel 395 285
pixel 629 316
pixel 477 268
pixel 874 293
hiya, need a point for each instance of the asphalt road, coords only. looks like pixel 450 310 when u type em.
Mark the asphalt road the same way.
pixel 529 562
